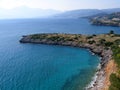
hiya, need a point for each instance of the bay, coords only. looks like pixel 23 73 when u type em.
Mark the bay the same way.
pixel 44 67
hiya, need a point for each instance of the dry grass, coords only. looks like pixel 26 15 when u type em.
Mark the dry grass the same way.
pixel 110 68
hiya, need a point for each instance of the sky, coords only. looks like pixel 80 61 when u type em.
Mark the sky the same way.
pixel 62 5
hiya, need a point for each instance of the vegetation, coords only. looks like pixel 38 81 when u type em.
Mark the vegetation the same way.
pixel 115 78
pixel 37 36
pixel 56 37
pixel 115 82
pixel 102 41
pixel 111 32
pixel 108 44
pixel 89 37
pixel 116 54
pixel 91 42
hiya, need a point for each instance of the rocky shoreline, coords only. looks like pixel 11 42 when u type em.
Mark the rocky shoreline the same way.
pixel 107 20
pixel 105 54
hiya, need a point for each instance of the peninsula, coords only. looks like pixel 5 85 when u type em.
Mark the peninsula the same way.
pixel 104 45
pixel 107 20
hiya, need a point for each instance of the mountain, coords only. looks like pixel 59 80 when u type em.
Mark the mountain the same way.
pixel 26 12
pixel 86 13
pixel 78 13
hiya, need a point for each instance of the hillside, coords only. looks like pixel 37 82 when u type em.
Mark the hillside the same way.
pixel 26 12
pixel 78 13
pixel 86 13
pixel 107 20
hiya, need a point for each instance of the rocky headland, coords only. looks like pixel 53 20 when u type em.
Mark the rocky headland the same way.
pixel 98 44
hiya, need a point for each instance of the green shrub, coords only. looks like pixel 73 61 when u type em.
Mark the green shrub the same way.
pixel 89 37
pixel 108 44
pixel 117 41
pixel 91 42
pixel 111 32
pixel 117 35
pixel 94 35
pixel 102 41
pixel 56 38
pixel 37 36
pixel 116 54
pixel 115 82
pixel 76 37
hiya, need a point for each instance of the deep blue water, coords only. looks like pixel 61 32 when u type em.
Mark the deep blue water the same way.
pixel 44 67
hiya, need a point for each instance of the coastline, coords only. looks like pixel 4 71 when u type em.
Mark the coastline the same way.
pixel 99 79
pixel 105 56
pixel 111 67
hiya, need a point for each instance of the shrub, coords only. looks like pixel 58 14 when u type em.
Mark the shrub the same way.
pixel 89 37
pixel 76 37
pixel 117 35
pixel 117 41
pixel 116 54
pixel 111 32
pixel 91 42
pixel 102 41
pixel 53 38
pixel 115 82
pixel 94 35
pixel 108 44
pixel 38 36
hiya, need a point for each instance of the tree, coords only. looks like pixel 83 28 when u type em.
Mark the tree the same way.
pixel 111 32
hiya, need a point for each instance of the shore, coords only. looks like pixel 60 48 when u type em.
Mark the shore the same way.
pixel 100 76
pixel 105 54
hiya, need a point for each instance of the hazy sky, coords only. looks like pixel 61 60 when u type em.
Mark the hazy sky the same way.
pixel 61 4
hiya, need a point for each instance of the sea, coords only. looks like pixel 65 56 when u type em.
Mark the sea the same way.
pixel 46 67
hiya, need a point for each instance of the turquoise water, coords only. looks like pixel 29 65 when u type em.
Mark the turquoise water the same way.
pixel 44 67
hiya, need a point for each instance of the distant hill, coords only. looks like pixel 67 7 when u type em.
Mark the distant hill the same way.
pixel 86 13
pixel 78 13
pixel 107 20
pixel 112 10
pixel 26 12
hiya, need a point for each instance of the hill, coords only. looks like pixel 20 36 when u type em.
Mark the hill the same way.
pixel 107 20
pixel 78 13
pixel 86 13
pixel 112 10
pixel 26 12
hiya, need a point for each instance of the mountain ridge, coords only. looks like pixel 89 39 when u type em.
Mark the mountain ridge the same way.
pixel 26 12
pixel 85 13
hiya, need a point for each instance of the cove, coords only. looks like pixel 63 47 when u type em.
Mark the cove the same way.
pixel 44 67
